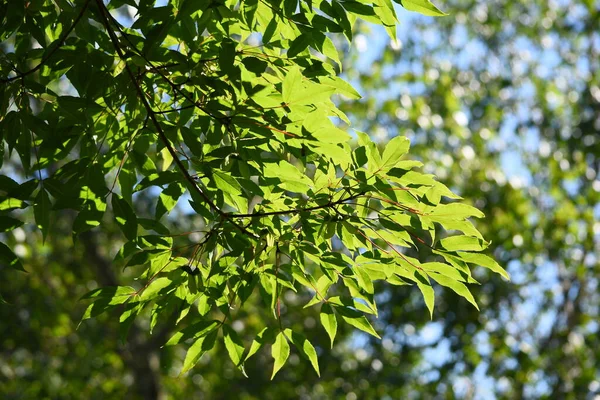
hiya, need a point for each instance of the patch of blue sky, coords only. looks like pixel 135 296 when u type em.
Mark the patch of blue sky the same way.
pixel 439 354
pixel 124 15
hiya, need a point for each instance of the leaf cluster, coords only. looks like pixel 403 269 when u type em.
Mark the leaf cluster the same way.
pixel 224 108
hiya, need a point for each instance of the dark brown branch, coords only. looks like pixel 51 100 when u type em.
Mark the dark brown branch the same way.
pixel 380 214
pixel 161 134
pixel 156 69
pixel 297 210
pixel 176 109
pixel 50 53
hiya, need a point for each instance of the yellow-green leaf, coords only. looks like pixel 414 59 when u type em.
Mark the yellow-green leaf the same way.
pixel 280 352
pixel 356 319
pixel 234 346
pixel 484 261
pixel 305 348
pixel 329 321
pixel 456 286
pixel 424 7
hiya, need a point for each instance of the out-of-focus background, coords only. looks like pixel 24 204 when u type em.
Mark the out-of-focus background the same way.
pixel 501 101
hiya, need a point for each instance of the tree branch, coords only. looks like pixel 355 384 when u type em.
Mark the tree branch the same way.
pixel 161 134
pixel 157 69
pixel 297 210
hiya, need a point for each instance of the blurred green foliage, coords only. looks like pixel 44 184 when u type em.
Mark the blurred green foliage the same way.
pixel 501 101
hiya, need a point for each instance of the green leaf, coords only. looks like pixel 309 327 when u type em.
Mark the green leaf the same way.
pixel 484 261
pixel 467 243
pixel 292 84
pixel 356 319
pixel 227 56
pixel 443 269
pixel 350 302
pixel 385 11
pixel 195 331
pixel 265 336
pixel 158 262
pixel 168 199
pixel 92 213
pixel 428 296
pixel 8 223
pixel 311 93
pixel 119 68
pixel 41 212
pixel 234 346
pixel 465 226
pixel 455 211
pixel 329 321
pixel 305 347
pixel 364 280
pixel 292 179
pixel 299 44
pixel 11 204
pixel 197 350
pixel 97 308
pixel 328 49
pixel 227 183
pixel 280 351
pixel 456 286
pixel 158 179
pixel 115 294
pixel 125 217
pixel 394 150
pixel 130 311
pixel 203 305
pixel 9 258
pixel 156 288
pixel 341 86
pixel 373 156
pixel 424 7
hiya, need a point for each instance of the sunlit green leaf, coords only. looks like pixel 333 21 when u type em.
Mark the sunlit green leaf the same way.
pixel 280 351
pixel 394 150
pixel 197 350
pixel 305 348
pixel 484 261
pixel 234 345
pixel 425 7
pixel 456 286
pixel 329 321
pixel 196 330
pixel 356 319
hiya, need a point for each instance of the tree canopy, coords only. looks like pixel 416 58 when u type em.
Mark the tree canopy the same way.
pixel 499 101
pixel 224 108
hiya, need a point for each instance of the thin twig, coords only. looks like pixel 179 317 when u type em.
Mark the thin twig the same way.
pixel 297 210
